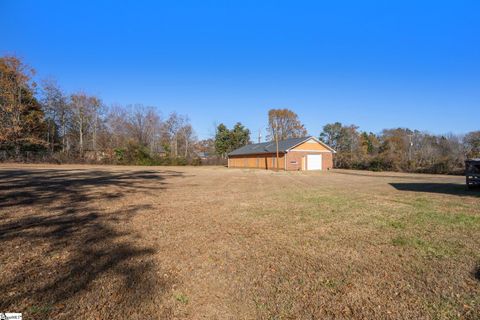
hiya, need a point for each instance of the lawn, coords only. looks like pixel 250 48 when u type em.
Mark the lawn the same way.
pixel 105 242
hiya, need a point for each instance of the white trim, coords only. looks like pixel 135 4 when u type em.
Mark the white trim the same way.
pixel 319 151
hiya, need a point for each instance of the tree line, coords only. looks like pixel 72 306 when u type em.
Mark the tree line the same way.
pixel 41 120
pixel 400 149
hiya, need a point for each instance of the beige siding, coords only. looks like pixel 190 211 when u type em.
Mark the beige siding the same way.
pixel 311 145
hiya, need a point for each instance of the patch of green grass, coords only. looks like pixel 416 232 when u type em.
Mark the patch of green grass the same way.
pixel 450 308
pixel 422 203
pixel 455 219
pixel 315 204
pixel 39 309
pixel 429 212
pixel 182 298
pixel 427 248
pixel 333 283
pixel 400 241
pixel 397 224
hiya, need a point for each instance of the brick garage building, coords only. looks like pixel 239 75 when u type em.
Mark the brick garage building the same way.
pixel 298 154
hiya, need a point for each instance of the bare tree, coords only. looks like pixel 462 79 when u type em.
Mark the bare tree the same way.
pixel 187 135
pixel 172 126
pixel 135 124
pixel 56 109
pixel 84 118
pixel 116 126
pixel 285 124
pixel 143 124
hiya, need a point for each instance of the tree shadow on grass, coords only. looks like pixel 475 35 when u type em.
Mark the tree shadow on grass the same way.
pixel 46 186
pixel 63 254
pixel 442 188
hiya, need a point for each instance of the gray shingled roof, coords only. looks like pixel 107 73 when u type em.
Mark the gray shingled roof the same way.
pixel 268 147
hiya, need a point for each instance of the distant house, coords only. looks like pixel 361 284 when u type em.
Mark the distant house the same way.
pixel 210 159
pixel 160 151
pixel 203 155
pixel 297 154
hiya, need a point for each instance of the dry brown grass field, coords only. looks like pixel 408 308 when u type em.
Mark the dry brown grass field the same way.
pixel 107 242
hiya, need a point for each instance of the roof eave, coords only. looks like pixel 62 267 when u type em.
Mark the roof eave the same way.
pixel 255 153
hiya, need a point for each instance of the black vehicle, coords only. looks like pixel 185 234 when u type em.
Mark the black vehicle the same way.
pixel 472 173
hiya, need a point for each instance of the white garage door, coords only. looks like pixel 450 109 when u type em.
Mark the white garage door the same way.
pixel 314 162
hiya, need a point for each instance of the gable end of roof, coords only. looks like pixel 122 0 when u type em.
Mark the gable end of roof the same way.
pixel 317 140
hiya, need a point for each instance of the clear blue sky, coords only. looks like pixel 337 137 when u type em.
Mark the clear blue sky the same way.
pixel 377 64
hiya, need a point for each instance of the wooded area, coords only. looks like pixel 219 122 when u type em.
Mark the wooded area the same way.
pixel 400 149
pixel 43 123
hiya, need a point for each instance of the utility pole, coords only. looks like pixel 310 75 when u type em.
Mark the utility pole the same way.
pixel 410 145
pixel 276 141
pixel 259 135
